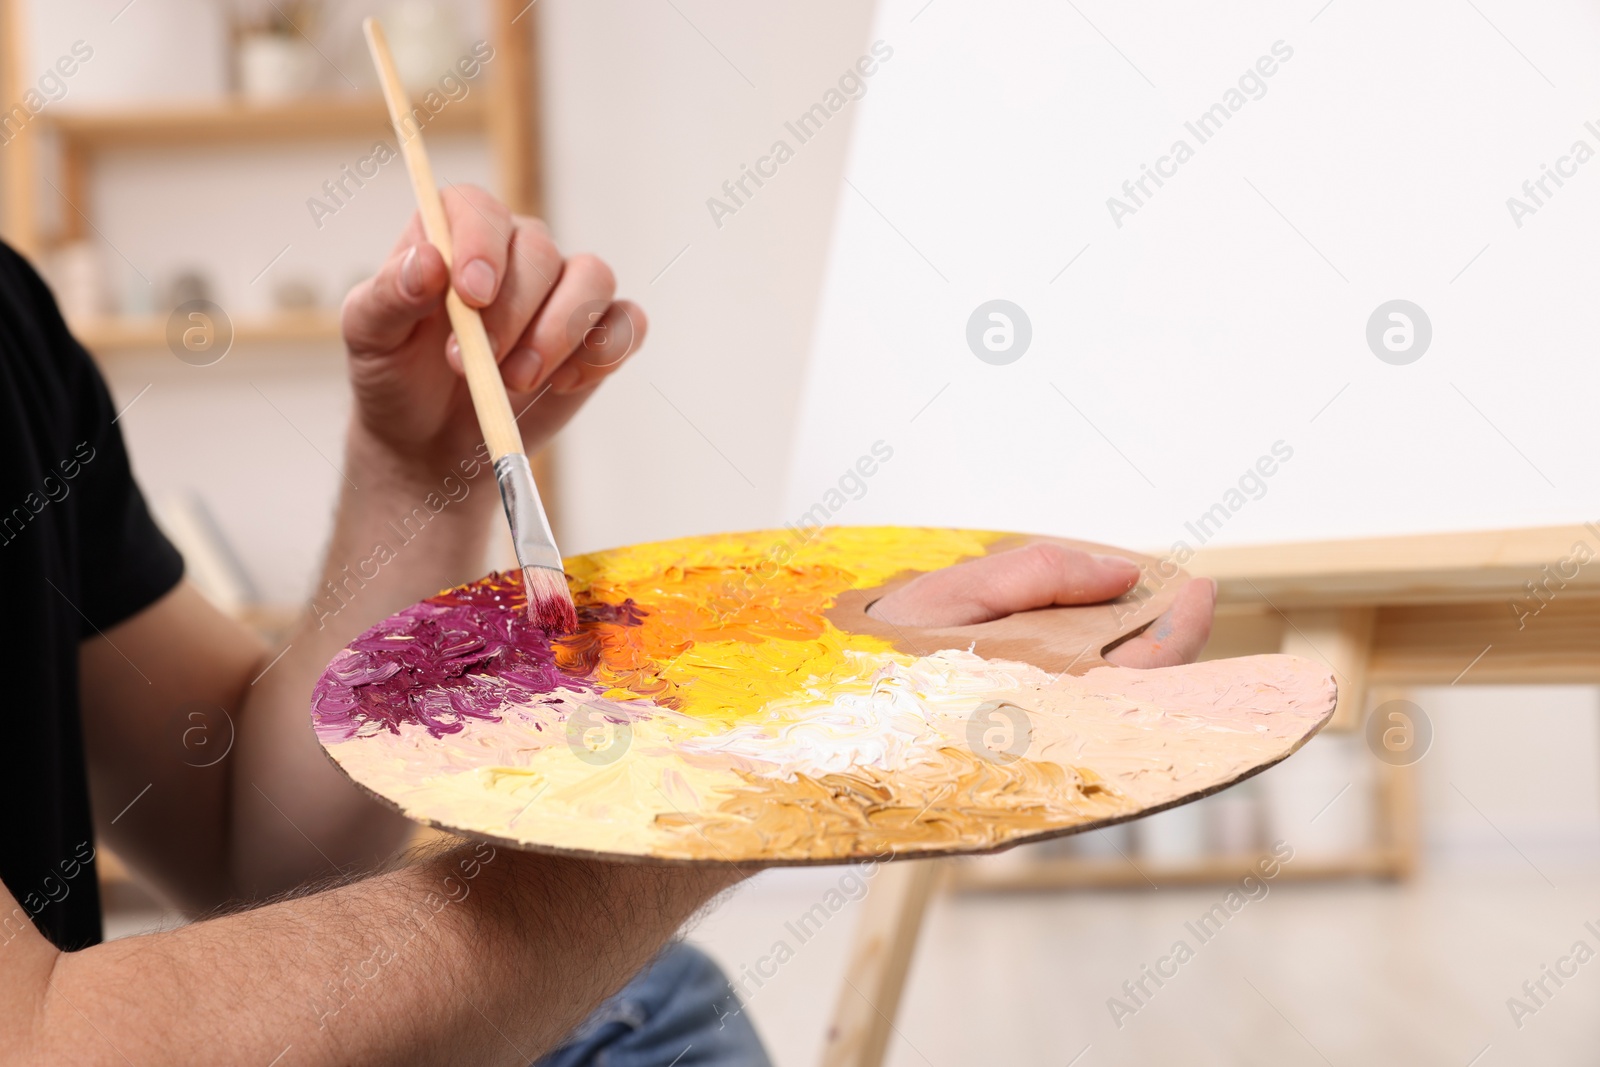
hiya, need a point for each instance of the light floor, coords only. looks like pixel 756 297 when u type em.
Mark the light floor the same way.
pixel 1348 973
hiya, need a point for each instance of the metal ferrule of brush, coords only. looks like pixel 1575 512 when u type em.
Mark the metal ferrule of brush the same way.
pixel 530 530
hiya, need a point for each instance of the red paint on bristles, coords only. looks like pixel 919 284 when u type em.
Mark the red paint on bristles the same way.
pixel 550 604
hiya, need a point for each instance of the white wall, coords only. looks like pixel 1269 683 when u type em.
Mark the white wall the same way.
pixel 1512 763
pixel 650 109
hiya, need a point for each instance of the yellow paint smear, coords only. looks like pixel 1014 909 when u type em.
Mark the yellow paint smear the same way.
pixel 738 620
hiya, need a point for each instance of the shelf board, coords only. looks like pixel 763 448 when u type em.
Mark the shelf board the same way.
pixel 122 333
pixel 1036 875
pixel 234 120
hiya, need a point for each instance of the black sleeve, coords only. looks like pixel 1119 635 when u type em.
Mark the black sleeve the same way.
pixel 125 562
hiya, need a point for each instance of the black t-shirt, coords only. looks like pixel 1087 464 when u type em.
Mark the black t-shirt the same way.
pixel 78 554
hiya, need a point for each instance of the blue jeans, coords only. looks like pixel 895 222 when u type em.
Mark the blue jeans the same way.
pixel 678 1012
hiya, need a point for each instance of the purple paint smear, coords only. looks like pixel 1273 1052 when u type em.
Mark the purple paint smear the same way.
pixel 457 656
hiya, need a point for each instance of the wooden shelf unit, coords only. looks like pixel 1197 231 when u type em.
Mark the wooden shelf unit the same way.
pixel 503 109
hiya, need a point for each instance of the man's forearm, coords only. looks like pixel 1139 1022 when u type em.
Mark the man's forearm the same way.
pixel 474 956
pixel 399 535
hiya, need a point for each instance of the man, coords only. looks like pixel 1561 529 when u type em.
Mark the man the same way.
pixel 113 662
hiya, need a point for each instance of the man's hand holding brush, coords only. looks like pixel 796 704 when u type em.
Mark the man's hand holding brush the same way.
pixel 418 500
pixel 556 331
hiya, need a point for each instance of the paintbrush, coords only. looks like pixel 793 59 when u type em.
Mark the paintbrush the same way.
pixel 545 582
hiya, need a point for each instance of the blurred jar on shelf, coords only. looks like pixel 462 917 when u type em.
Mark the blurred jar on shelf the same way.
pixel 77 275
pixel 426 39
pixel 1233 820
pixel 274 57
pixel 1176 835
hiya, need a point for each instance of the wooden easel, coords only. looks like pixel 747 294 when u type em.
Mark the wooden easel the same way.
pixel 1496 607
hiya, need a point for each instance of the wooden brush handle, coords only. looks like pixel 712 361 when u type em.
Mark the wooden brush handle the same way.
pixel 488 390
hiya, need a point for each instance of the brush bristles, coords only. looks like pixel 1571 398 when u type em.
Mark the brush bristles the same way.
pixel 550 604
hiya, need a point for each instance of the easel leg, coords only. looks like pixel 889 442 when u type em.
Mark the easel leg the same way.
pixel 1399 835
pixel 880 958
pixel 1341 638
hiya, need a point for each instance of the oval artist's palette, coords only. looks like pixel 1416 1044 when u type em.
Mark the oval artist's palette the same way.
pixel 728 700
